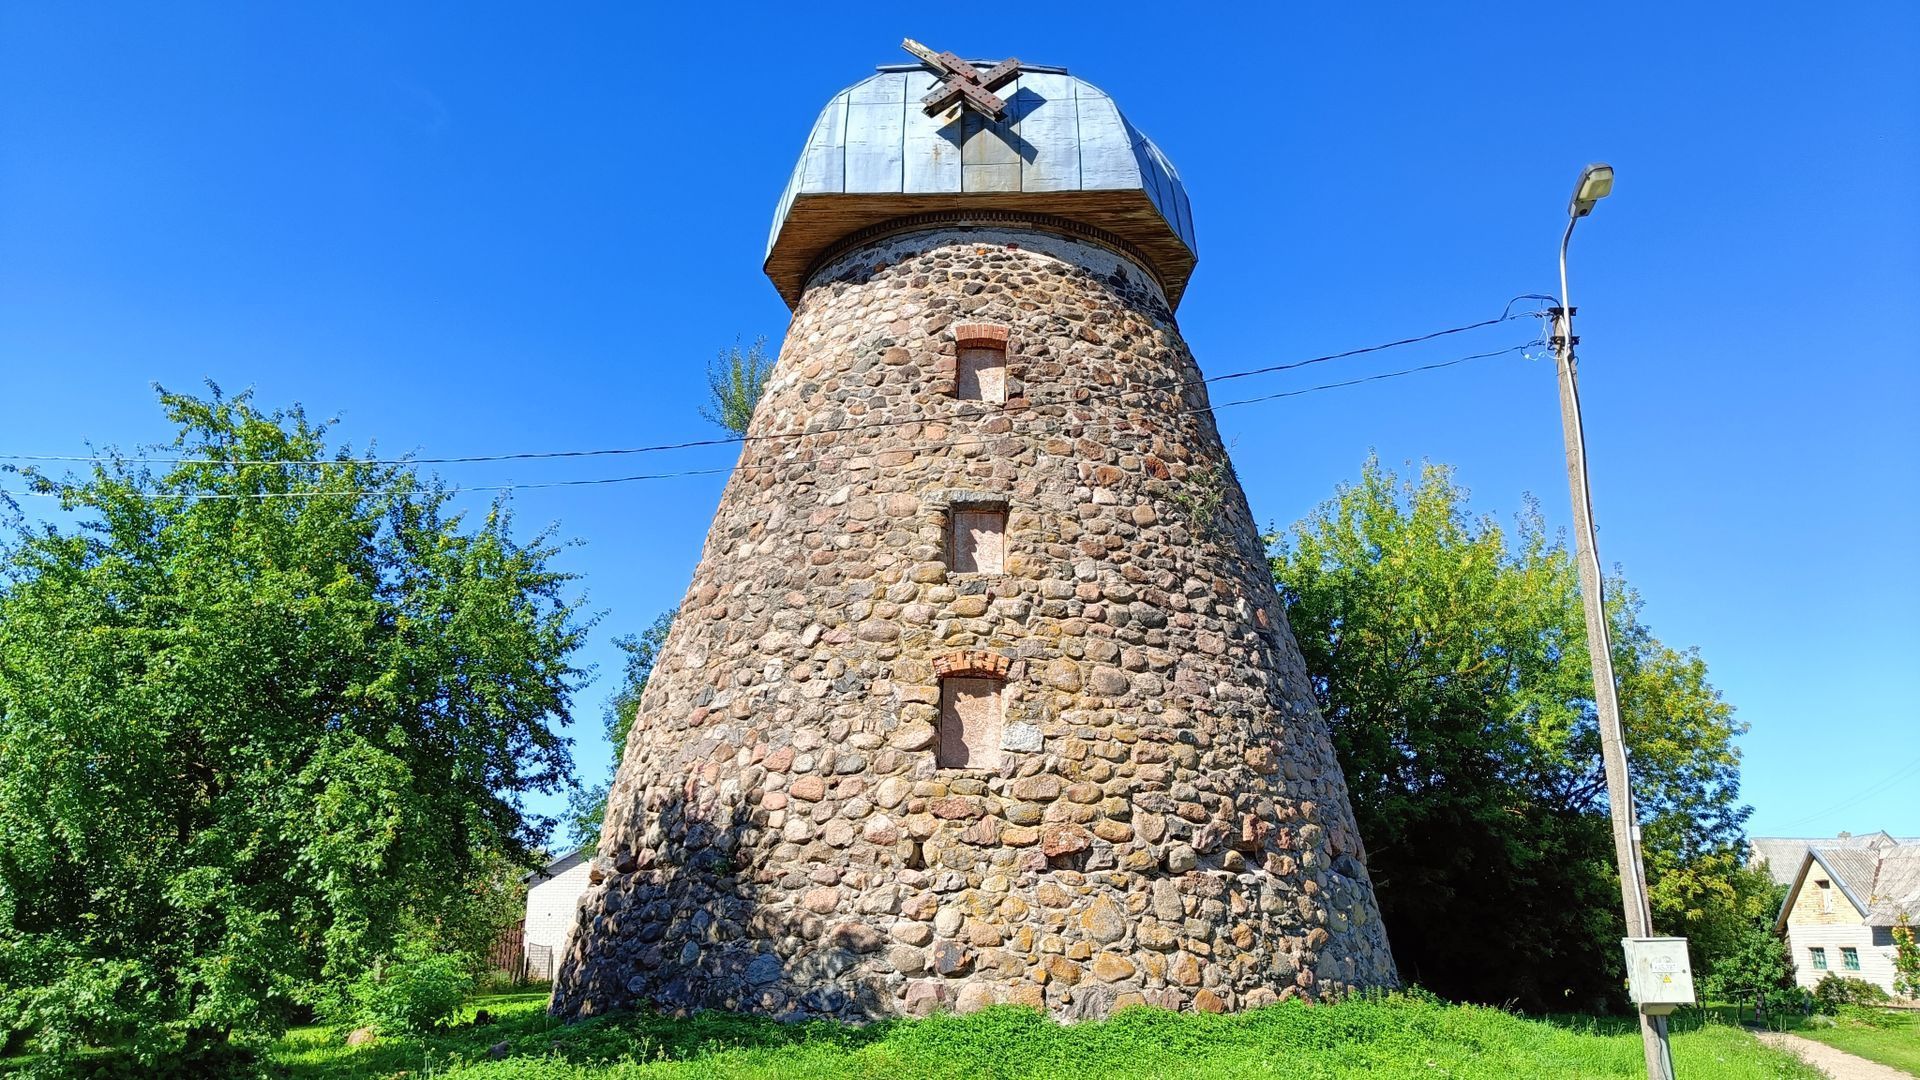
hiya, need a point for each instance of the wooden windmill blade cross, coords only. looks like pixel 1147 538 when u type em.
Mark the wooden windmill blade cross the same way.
pixel 962 82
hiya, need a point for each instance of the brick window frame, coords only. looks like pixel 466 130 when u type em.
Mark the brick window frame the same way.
pixel 946 368
pixel 973 709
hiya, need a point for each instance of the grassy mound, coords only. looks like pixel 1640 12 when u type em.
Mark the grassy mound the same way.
pixel 1387 1037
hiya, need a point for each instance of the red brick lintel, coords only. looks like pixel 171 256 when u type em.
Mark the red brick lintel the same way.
pixel 974 335
pixel 972 662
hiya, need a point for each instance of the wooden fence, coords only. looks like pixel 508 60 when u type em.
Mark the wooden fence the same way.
pixel 520 961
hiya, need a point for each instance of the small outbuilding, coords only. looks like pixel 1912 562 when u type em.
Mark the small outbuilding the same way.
pixel 553 896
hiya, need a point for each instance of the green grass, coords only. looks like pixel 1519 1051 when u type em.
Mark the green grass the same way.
pixel 1896 1045
pixel 1371 1038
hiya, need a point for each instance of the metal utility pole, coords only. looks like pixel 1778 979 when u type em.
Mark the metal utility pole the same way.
pixel 1595 182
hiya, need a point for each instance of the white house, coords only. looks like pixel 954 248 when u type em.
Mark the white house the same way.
pixel 553 897
pixel 1842 906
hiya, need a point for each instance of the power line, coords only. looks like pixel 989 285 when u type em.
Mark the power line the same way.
pixel 540 455
pixel 1377 378
pixel 978 440
pixel 1530 296
pixel 1376 348
pixel 1884 785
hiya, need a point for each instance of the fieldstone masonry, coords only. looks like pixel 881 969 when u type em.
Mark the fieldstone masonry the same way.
pixel 1165 821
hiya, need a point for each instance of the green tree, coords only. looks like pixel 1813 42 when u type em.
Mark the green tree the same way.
pixel 1450 661
pixel 1744 960
pixel 1906 960
pixel 587 806
pixel 1716 903
pixel 736 380
pixel 263 714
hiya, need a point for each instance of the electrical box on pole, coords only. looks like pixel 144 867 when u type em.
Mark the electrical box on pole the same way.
pixel 1659 976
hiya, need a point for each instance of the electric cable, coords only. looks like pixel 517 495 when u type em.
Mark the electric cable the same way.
pixel 535 455
pixel 976 440
pixel 1884 785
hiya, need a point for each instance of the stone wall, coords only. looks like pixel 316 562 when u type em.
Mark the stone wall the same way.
pixel 1166 822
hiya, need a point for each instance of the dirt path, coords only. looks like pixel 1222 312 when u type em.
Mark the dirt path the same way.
pixel 1837 1064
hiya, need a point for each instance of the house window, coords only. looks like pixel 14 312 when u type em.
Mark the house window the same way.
pixel 982 374
pixel 1850 959
pixel 1819 959
pixel 978 540
pixel 970 721
pixel 1826 895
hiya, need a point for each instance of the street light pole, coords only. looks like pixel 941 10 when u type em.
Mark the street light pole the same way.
pixel 1595 182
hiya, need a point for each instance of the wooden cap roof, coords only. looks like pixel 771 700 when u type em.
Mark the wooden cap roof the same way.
pixel 1063 152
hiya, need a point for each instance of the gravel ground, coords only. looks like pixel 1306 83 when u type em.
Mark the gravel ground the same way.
pixel 1837 1064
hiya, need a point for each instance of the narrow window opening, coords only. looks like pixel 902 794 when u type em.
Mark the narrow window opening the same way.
pixel 978 543
pixel 982 373
pixel 970 722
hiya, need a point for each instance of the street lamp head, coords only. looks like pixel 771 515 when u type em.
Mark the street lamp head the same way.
pixel 1596 181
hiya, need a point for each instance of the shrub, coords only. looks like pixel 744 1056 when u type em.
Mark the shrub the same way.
pixel 410 994
pixel 1784 1005
pixel 1874 1018
pixel 1833 991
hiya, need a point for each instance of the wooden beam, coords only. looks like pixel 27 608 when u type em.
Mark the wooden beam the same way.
pixel 921 52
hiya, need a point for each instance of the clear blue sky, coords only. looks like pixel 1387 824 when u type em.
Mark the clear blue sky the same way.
pixel 468 229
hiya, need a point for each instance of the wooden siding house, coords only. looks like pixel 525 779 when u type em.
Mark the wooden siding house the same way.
pixel 1842 906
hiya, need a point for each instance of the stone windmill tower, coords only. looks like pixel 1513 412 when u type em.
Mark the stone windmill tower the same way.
pixel 981 692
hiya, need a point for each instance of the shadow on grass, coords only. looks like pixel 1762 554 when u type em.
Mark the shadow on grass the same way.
pixel 1683 1019
pixel 522 1024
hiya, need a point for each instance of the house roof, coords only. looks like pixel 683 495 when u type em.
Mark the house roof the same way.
pixel 1896 890
pixel 1782 855
pixel 555 868
pixel 1882 881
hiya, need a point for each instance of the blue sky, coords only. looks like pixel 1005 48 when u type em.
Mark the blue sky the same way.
pixel 473 229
